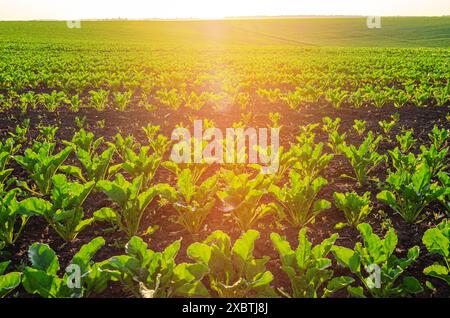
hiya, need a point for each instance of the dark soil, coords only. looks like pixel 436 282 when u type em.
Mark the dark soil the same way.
pixel 131 121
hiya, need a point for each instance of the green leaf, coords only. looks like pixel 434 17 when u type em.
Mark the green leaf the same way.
pixel 430 286
pixel 36 281
pixel 4 266
pixel 136 247
pixel 412 285
pixel 283 247
pixel 73 171
pixel 43 258
pixel 146 197
pixel 303 252
pixel 355 263
pixel 387 197
pixel 8 283
pixel 390 242
pixel 106 215
pixel 340 226
pixel 438 271
pixel 357 292
pixel 199 252
pixel 34 206
pixel 436 243
pixel 344 255
pixel 114 191
pixel 413 253
pixel 338 283
pixel 265 279
pixel 87 252
pixel 243 247
pixel 151 230
pixel 171 251
pixel 188 277
pixel 186 185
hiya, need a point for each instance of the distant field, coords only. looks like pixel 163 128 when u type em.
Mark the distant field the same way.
pixel 340 32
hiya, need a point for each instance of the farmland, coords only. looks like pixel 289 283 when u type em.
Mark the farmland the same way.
pixel 363 178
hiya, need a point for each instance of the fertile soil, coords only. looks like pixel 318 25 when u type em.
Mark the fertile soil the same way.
pixel 131 121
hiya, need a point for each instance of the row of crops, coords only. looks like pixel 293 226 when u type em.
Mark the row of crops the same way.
pixel 55 77
pixel 57 177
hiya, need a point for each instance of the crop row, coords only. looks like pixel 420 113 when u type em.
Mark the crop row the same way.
pixel 222 269
pixel 151 78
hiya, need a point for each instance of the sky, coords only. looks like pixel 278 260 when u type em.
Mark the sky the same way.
pixel 205 9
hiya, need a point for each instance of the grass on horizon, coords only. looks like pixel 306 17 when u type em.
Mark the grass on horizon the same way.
pixel 335 32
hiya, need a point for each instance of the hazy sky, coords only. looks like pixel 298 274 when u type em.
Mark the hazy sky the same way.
pixel 88 9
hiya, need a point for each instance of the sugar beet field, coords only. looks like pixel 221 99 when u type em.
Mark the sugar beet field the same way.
pixel 358 202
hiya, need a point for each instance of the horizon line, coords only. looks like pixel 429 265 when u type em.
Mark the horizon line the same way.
pixel 225 18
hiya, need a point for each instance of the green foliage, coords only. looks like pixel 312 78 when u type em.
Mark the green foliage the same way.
pixel 233 271
pixel 99 99
pixel 330 125
pixel 297 203
pixel 439 137
pixel 122 100
pixel 8 281
pixel 95 165
pixel 356 208
pixel 436 159
pixel 406 140
pixel 8 149
pixel 437 241
pixel 376 266
pixel 404 162
pixel 445 197
pixel 309 159
pixel 169 98
pixel 307 134
pixel 13 216
pixel 193 202
pixel 197 169
pixel 48 133
pixel 41 77
pixel 359 126
pixel 158 142
pixel 281 163
pixel 123 145
pixel 82 278
pixel 308 267
pixel 42 163
pixel 241 198
pixel 53 100
pixel 151 274
pixel 20 135
pixel 64 212
pixel 336 97
pixel 388 125
pixel 131 199
pixel 365 158
pixel 275 120
pixel 140 164
pixel 336 142
pixel 408 194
